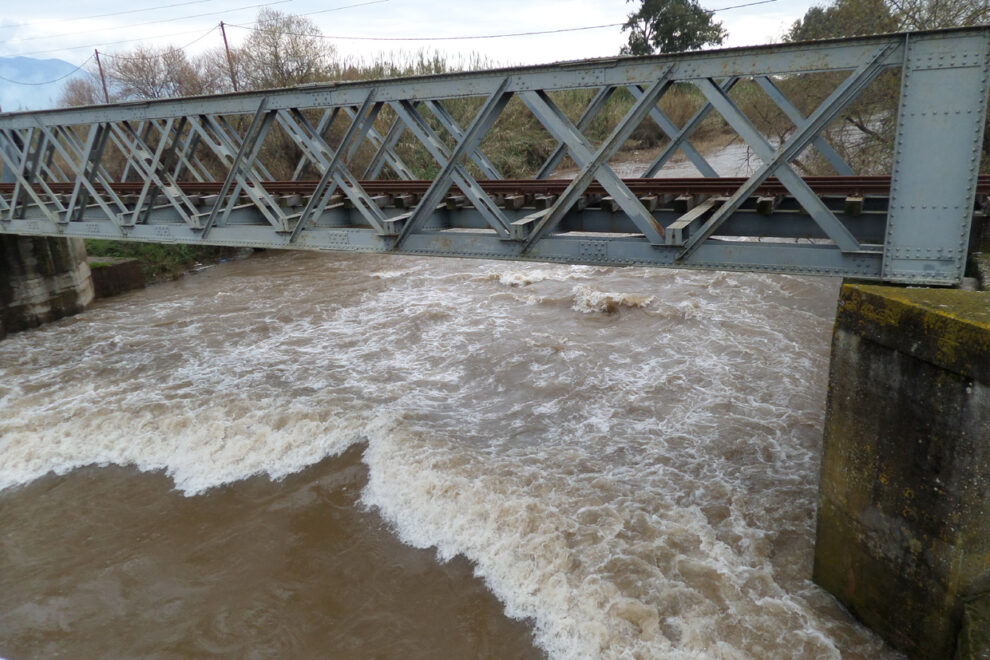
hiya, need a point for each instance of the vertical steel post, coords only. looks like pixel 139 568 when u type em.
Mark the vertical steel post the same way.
pixel 936 157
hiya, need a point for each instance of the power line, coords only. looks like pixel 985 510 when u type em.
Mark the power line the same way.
pixel 360 4
pixel 748 4
pixel 174 34
pixel 138 11
pixel 314 35
pixel 105 43
pixel 155 22
pixel 115 13
pixel 125 41
pixel 183 47
pixel 48 82
pixel 463 38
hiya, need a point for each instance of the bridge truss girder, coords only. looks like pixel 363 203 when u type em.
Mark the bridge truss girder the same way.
pixel 138 171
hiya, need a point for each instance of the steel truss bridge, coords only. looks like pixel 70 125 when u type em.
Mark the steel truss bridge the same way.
pixel 212 170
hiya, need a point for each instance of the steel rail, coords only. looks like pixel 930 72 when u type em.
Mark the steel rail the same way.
pixel 830 185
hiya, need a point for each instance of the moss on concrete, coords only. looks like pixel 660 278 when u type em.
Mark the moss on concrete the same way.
pixel 946 327
pixel 979 267
pixel 904 508
pixel 974 637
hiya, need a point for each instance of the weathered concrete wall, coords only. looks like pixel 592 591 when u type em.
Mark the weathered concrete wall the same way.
pixel 41 280
pixel 904 508
pixel 114 276
pixel 974 636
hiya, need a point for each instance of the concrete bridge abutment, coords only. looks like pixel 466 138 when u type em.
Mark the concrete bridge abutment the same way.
pixel 41 280
pixel 904 501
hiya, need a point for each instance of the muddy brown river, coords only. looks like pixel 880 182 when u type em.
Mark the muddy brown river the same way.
pixel 303 455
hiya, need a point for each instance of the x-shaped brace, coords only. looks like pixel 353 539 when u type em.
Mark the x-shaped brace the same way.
pixel 452 168
pixel 778 162
pixel 326 121
pixel 334 169
pixel 49 167
pixel 152 166
pixel 187 141
pixel 386 153
pixel 591 111
pixel 681 137
pixel 824 148
pixel 671 130
pixel 22 163
pixel 88 172
pixel 487 168
pixel 245 173
pixel 594 164
pixel 385 147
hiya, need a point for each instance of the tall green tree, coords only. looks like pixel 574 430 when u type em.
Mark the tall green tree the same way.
pixel 670 26
pixel 844 18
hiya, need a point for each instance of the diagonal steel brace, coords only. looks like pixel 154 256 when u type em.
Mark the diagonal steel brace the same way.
pixel 684 133
pixel 594 164
pixel 452 169
pixel 335 173
pixel 778 162
pixel 671 130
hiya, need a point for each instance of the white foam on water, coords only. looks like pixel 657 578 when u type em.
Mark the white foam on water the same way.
pixel 588 299
pixel 641 483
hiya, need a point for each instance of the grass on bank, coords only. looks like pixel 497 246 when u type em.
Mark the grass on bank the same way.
pixel 159 261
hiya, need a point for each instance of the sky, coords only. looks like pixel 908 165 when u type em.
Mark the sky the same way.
pixel 71 30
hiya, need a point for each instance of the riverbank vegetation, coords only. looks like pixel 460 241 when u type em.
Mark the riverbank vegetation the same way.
pixel 159 261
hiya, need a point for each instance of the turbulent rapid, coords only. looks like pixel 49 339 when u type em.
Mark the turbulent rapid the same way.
pixel 628 458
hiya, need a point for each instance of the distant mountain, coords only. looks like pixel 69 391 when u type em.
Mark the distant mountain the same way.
pixel 20 78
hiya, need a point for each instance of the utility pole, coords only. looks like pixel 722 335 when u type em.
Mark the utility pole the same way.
pixel 103 78
pixel 230 62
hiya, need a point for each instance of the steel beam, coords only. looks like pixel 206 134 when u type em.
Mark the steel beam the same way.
pixel 126 171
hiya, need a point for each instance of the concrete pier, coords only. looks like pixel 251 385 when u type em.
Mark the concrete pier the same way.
pixel 41 280
pixel 904 506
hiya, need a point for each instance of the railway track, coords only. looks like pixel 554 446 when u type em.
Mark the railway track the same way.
pixel 823 185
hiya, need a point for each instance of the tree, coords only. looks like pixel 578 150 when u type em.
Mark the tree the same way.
pixel 934 14
pixel 143 73
pixel 154 73
pixel 844 18
pixel 81 91
pixel 865 135
pixel 283 50
pixel 670 26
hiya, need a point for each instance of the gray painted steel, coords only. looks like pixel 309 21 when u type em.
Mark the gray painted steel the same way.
pixel 338 132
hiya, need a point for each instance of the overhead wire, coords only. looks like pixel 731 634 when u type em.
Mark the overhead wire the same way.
pixel 174 34
pixel 183 47
pixel 116 13
pixel 313 35
pixel 360 4
pixel 461 38
pixel 48 82
pixel 156 22
pixel 107 43
pixel 468 37
pixel 748 4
